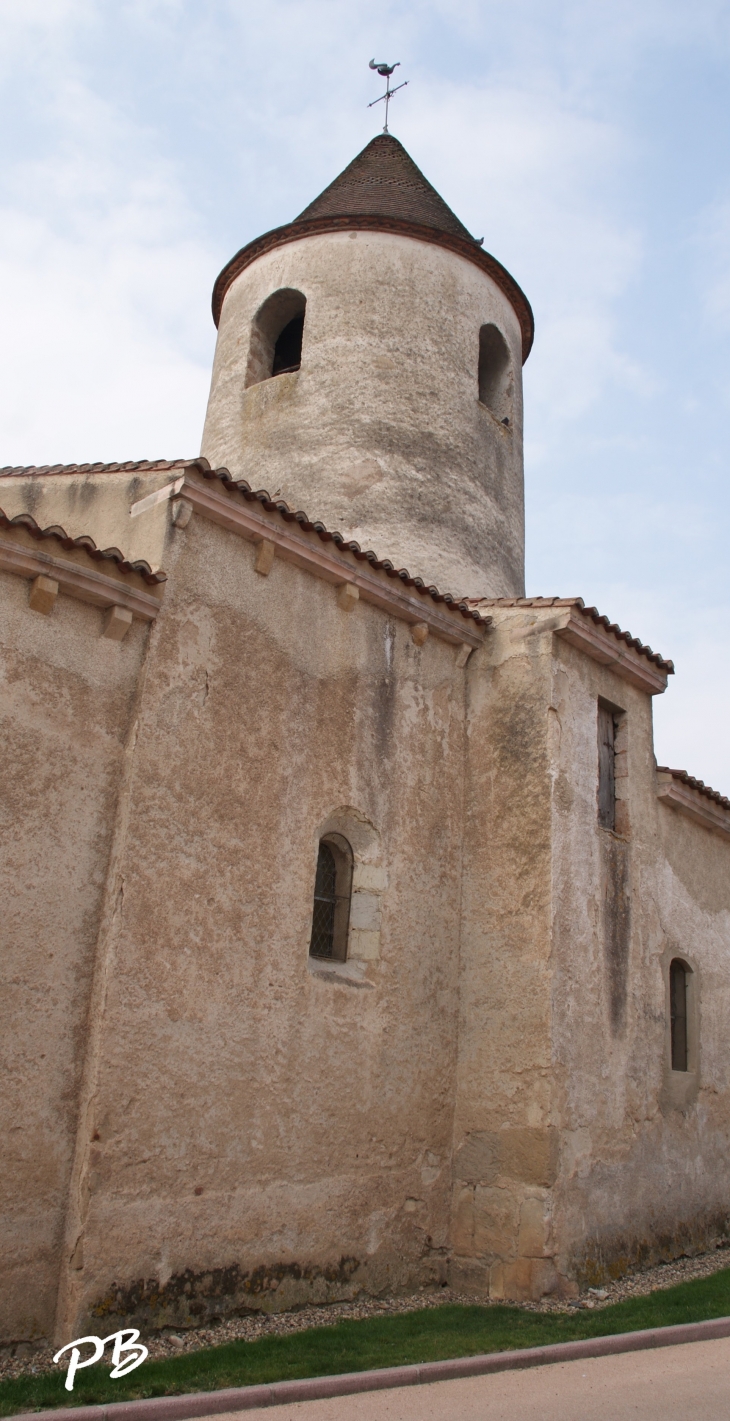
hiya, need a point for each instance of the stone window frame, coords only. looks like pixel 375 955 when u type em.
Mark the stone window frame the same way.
pixel 680 1088
pixel 342 855
pixel 621 825
pixel 368 883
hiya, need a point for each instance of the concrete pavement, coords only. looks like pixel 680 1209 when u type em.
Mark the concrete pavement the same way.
pixel 685 1383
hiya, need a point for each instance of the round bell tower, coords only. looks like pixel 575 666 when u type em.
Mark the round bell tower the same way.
pixel 368 370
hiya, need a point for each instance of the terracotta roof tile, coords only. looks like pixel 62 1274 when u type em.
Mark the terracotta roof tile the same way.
pixel 260 496
pixel 383 181
pixel 24 520
pixel 382 190
pixel 591 612
pixel 328 535
pixel 698 785
pixel 146 466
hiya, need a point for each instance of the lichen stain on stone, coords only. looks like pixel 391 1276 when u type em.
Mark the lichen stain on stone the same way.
pixel 192 1298
pixel 606 1259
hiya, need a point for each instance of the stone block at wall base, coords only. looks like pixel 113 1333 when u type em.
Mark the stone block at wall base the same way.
pixel 529 1279
pixel 469 1275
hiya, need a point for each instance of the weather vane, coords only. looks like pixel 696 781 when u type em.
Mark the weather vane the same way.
pixel 386 70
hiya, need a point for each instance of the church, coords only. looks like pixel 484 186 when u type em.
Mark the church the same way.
pixel 353 940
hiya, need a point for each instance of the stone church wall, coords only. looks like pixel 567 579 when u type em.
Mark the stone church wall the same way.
pixel 67 697
pixel 645 1150
pixel 578 1152
pixel 209 1120
pixel 257 1132
pixel 505 1137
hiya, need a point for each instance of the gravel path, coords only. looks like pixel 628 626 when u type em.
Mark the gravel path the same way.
pixel 25 1358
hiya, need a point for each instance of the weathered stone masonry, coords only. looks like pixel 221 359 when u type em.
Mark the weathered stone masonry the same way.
pixel 201 683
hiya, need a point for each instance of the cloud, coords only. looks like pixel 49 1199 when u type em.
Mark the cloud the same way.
pixel 711 242
pixel 105 276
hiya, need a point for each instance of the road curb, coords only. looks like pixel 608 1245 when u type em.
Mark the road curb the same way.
pixel 247 1398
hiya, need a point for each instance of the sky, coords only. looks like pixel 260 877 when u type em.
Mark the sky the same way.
pixel 144 142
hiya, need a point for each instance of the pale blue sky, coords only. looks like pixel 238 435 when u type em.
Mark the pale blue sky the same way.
pixel 145 142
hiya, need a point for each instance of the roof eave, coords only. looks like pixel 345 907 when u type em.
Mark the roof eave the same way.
pixel 365 222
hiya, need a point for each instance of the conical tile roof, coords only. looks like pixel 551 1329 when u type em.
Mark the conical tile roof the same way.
pixel 382 190
pixel 383 181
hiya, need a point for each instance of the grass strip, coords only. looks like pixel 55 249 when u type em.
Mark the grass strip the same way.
pixel 430 1335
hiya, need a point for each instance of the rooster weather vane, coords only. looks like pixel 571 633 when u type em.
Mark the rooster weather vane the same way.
pixel 386 70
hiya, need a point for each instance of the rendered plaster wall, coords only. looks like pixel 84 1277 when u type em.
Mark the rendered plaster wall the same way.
pixel 644 1151
pixel 97 505
pixel 381 432
pixel 505 1140
pixel 259 1133
pixel 66 696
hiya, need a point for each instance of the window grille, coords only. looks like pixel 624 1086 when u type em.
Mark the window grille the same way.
pixel 331 909
pixel 325 900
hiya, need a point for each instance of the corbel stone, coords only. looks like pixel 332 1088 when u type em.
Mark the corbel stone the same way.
pixel 265 554
pixel 43 594
pixel 182 512
pixel 347 595
pixel 463 654
pixel 419 632
pixel 117 622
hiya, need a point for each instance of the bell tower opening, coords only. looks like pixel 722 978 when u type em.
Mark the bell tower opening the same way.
pixel 288 348
pixel 495 374
pixel 277 330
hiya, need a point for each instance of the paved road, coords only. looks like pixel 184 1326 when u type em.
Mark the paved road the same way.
pixel 688 1383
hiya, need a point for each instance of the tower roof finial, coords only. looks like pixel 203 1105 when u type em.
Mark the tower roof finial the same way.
pixel 386 70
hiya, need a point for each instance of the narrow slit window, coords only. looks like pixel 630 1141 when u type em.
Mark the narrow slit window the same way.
pixel 495 374
pixel 606 768
pixel 332 892
pixel 678 1013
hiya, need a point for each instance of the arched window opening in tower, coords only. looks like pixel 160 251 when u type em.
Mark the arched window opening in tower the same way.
pixel 288 348
pixel 495 374
pixel 332 893
pixel 678 971
pixel 277 331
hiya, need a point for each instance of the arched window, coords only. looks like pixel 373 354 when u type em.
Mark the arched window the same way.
pixel 678 972
pixel 332 892
pixel 495 374
pixel 288 348
pixel 276 336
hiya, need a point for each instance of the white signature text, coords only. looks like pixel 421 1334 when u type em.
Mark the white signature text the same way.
pixel 121 1363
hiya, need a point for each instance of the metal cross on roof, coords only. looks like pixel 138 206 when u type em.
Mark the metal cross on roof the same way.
pixel 386 70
